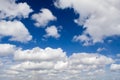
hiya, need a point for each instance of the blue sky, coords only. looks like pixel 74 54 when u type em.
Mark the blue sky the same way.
pixel 55 38
pixel 65 19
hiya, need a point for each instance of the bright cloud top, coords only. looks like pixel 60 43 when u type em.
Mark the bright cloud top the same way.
pixel 38 54
pixel 11 9
pixel 100 18
pixel 16 30
pixel 43 17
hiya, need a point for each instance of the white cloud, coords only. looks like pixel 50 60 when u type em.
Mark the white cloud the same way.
pixel 33 66
pixel 43 17
pixel 89 61
pixel 16 30
pixel 50 61
pixel 7 49
pixel 52 31
pixel 11 9
pixel 61 65
pixel 115 67
pixel 55 61
pixel 41 60
pixel 100 18
pixel 38 54
pixel 50 64
pixel 83 38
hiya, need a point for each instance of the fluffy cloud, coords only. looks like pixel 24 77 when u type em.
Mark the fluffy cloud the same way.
pixel 43 17
pixel 16 30
pixel 49 64
pixel 40 60
pixel 115 67
pixel 54 63
pixel 38 54
pixel 83 38
pixel 99 17
pixel 11 9
pixel 7 49
pixel 88 62
pixel 52 31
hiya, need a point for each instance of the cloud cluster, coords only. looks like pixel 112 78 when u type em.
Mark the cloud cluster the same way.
pixel 43 17
pixel 48 63
pixel 89 60
pixel 52 63
pixel 16 31
pixel 99 17
pixel 10 9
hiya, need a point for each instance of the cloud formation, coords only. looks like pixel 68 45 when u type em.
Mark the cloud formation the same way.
pixel 16 31
pixel 43 17
pixel 38 54
pixel 10 9
pixel 52 31
pixel 99 17
pixel 52 63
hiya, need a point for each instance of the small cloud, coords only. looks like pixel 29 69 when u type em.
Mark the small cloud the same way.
pixel 52 31
pixel 43 17
pixel 101 49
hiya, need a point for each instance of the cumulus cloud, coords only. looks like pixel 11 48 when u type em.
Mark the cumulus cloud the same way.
pixel 49 64
pixel 88 62
pixel 54 63
pixel 43 17
pixel 99 17
pixel 38 54
pixel 52 31
pixel 16 30
pixel 7 49
pixel 11 9
pixel 115 67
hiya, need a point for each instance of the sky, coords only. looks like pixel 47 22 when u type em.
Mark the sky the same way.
pixel 59 39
